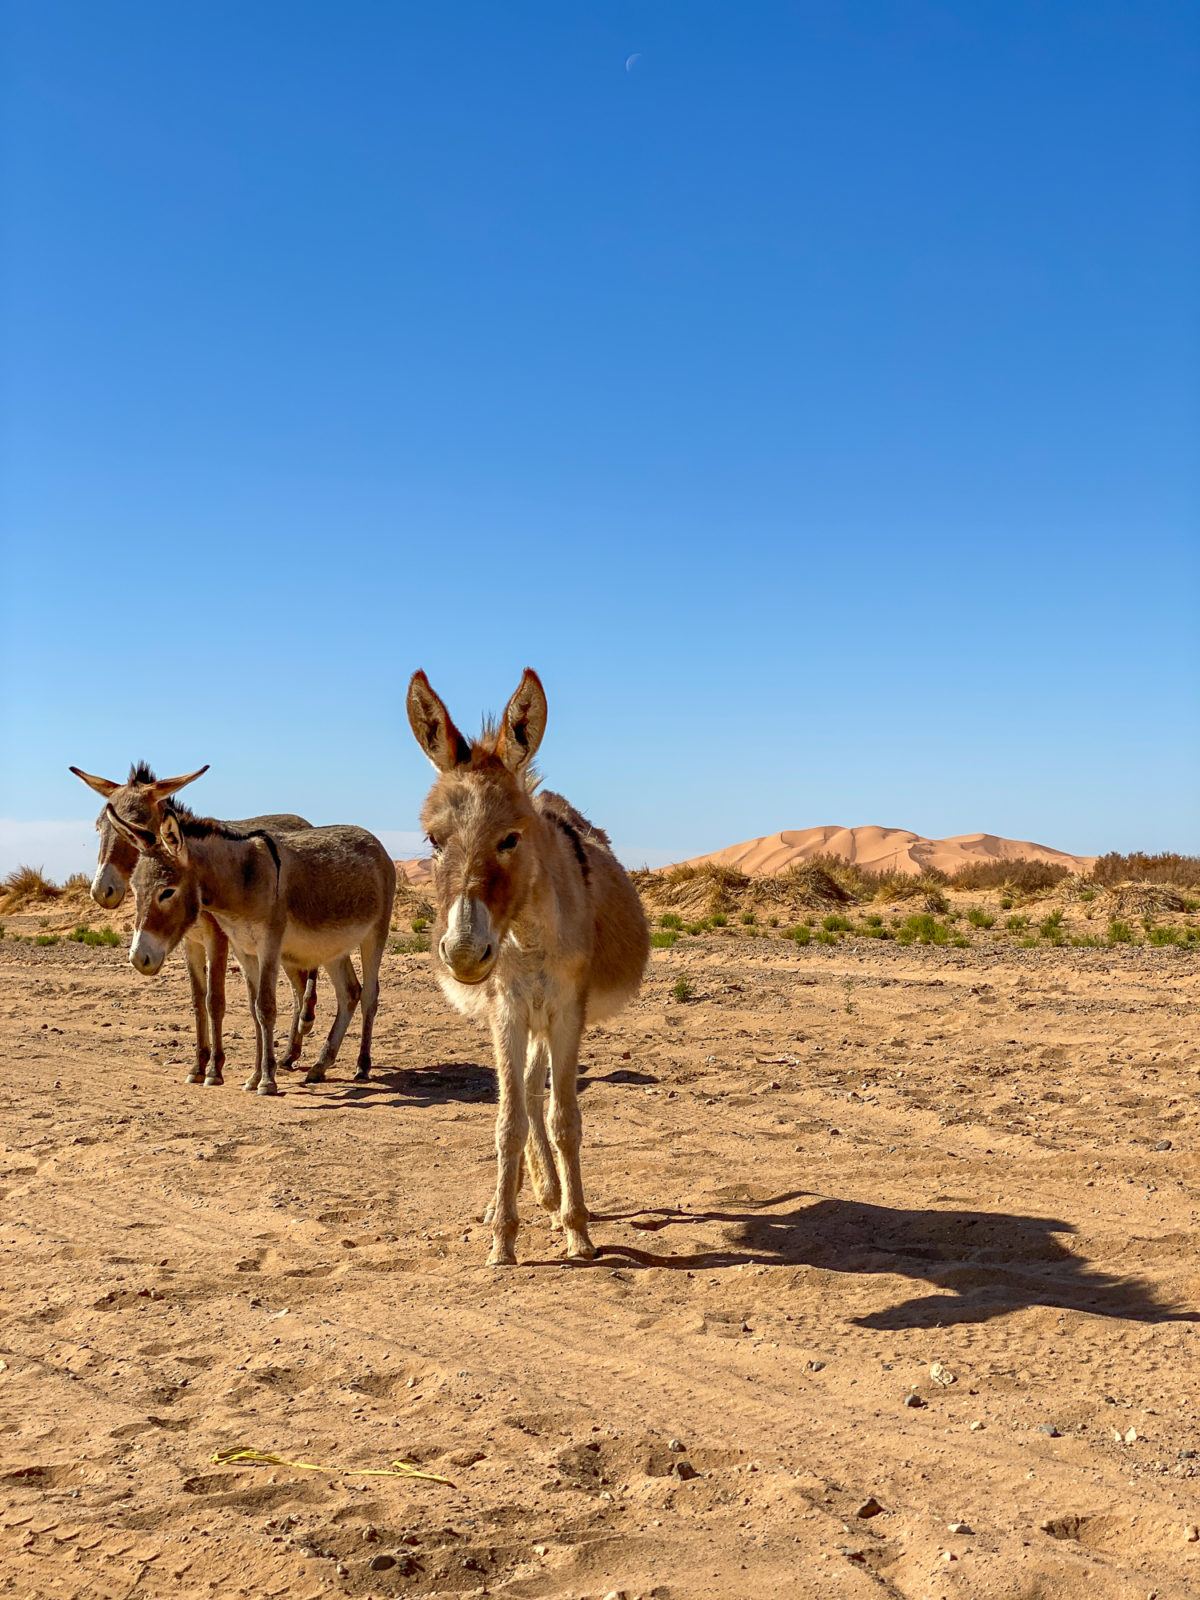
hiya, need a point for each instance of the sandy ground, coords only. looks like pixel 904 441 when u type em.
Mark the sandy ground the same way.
pixel 831 1170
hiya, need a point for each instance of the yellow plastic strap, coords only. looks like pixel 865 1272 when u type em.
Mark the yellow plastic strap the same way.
pixel 239 1455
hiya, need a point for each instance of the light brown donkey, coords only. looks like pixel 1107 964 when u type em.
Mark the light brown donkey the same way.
pixel 292 900
pixel 140 799
pixel 538 931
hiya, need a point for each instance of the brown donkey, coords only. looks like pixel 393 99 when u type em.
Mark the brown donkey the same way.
pixel 140 800
pixel 539 931
pixel 297 900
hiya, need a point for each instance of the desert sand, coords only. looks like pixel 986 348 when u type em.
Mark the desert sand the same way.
pixel 837 1178
pixel 884 850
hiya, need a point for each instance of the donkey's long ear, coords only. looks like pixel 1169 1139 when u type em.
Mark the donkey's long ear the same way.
pixel 524 722
pixel 142 839
pixel 104 786
pixel 162 787
pixel 432 727
pixel 170 837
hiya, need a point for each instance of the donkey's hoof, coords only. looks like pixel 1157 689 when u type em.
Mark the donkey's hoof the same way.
pixel 214 1080
pixel 579 1247
pixel 195 1077
pixel 268 1086
pixel 502 1255
pixel 315 1075
pixel 363 1073
pixel 251 1084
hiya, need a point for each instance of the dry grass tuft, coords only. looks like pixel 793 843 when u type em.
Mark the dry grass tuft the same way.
pixel 1141 898
pixel 1021 876
pixel 24 884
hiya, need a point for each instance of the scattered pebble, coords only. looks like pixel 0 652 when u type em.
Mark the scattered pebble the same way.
pixel 1049 1430
pixel 959 1527
pixel 382 1563
pixel 977 1427
pixel 869 1508
pixel 684 1470
pixel 677 1445
pixel 1191 1533
pixel 914 1400
pixel 942 1375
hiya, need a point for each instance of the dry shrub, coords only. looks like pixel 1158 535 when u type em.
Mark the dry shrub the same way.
pixel 815 883
pixel 24 884
pixel 1166 867
pixel 1022 875
pixel 1141 898
pixel 926 888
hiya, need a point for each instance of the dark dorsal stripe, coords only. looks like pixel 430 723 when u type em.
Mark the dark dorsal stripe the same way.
pixel 572 834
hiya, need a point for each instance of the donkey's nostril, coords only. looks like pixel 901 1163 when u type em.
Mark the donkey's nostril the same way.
pixel 487 954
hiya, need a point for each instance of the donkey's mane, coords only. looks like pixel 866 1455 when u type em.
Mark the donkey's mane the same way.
pixel 141 772
pixel 194 827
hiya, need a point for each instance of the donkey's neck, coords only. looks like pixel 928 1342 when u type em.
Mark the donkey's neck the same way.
pixel 232 873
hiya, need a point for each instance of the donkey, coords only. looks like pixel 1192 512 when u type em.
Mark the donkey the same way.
pixel 297 900
pixel 539 931
pixel 206 948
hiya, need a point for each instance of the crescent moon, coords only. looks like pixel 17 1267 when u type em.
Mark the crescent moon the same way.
pixel 632 61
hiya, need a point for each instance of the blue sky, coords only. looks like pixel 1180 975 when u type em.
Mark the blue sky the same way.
pixel 814 404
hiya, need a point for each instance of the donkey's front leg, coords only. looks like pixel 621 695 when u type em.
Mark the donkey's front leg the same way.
pixel 265 1004
pixel 196 962
pixel 249 966
pixel 511 1038
pixel 566 1127
pixel 218 961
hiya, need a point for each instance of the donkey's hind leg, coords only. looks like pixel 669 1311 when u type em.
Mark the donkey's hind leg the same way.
pixel 298 978
pixel 197 964
pixel 566 1128
pixel 370 955
pixel 539 1155
pixel 348 989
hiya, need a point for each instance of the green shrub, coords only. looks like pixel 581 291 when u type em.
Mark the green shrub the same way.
pixel 1164 936
pixel 1006 902
pixel 46 938
pixel 419 924
pixel 94 936
pixel 670 919
pixel 979 918
pixel 718 920
pixel 873 920
pixel 1017 924
pixel 1119 932
pixel 1052 928
pixel 800 933
pixel 825 937
pixel 835 923
pixel 923 928
pixel 695 928
pixel 772 922
pixel 683 988
pixel 663 939
pixel 415 946
pixel 748 919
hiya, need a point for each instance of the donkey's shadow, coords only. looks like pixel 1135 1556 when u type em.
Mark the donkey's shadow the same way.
pixel 991 1262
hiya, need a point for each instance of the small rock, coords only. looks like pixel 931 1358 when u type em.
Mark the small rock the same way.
pixel 1131 1436
pixel 541 1549
pixel 942 1375
pixel 1049 1430
pixel 615 1594
pixel 914 1400
pixel 1191 1533
pixel 382 1563
pixel 869 1508
pixel 677 1445
pixel 948 1555
pixel 977 1427
pixel 684 1470
pixel 1163 1144
pixel 370 1534
pixel 342 1570
pixel 959 1527
pixel 816 1366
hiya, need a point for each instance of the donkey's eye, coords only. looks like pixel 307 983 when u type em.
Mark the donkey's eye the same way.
pixel 510 841
pixel 165 896
pixel 434 844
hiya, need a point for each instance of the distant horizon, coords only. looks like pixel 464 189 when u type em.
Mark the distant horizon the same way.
pixel 60 848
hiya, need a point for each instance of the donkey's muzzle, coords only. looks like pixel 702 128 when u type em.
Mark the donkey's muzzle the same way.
pixel 146 955
pixel 468 946
pixel 108 888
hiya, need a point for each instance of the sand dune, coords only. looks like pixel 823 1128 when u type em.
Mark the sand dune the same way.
pixel 884 850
